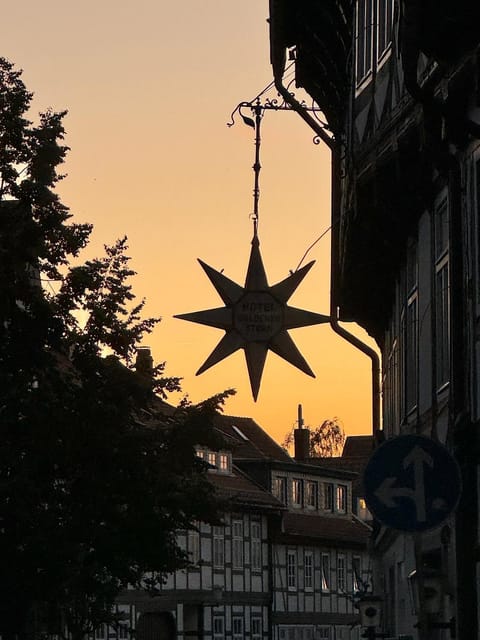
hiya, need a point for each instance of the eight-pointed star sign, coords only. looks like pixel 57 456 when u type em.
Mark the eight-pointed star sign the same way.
pixel 255 318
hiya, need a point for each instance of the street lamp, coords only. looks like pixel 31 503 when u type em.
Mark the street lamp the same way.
pixel 426 595
pixel 370 607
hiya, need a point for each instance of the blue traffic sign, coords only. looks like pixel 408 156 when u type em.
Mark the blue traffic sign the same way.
pixel 411 483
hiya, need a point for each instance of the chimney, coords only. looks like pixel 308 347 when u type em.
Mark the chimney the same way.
pixel 301 439
pixel 144 363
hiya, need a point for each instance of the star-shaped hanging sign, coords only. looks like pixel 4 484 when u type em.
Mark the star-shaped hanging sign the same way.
pixel 255 318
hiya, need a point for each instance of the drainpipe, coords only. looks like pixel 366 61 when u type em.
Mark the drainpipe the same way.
pixel 334 147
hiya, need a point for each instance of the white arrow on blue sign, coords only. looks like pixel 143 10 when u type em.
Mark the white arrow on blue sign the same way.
pixel 412 483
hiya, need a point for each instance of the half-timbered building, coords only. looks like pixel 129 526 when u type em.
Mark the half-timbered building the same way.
pixel 225 592
pixel 319 558
pixel 398 83
pixel 287 562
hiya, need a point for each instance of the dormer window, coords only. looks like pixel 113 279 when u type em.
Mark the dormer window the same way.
pixel 328 496
pixel 341 498
pixel 311 494
pixel 279 488
pixel 223 462
pixel 296 492
pixel 217 460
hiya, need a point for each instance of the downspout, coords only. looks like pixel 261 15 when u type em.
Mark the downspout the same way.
pixel 335 216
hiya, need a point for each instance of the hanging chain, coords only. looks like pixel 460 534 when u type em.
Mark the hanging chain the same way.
pixel 258 111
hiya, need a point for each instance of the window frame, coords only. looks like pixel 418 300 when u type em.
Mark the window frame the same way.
pixel 308 571
pixel 325 572
pixel 238 554
pixel 364 39
pixel 328 496
pixel 297 493
pixel 341 492
pixel 409 355
pixel 385 14
pixel 256 627
pixel 238 633
pixel 223 462
pixel 311 494
pixel 193 546
pixel 291 569
pixel 442 291
pixel 341 573
pixel 218 547
pixel 256 545
pixel 218 633
pixel 279 488
pixel 357 580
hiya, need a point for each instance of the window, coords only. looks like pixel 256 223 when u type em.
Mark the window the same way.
pixel 100 632
pixel 292 569
pixel 311 494
pixel 218 547
pixel 384 31
pixel 122 631
pixel 328 496
pixel 123 627
pixel 325 572
pixel 256 548
pixel 341 579
pixel 296 632
pixel 477 197
pixel 237 544
pixel 442 294
pixel 200 453
pixel 357 574
pixel 341 498
pixel 224 466
pixel 212 458
pixel 362 510
pixel 280 489
pixel 409 332
pixel 296 493
pixel 323 633
pixel 237 628
pixel 308 571
pixel 373 35
pixel 363 39
pixel 193 546
pixel 411 353
pixel 256 628
pixel 218 628
pixel 391 387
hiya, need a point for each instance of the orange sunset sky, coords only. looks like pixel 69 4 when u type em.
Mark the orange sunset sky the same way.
pixel 149 86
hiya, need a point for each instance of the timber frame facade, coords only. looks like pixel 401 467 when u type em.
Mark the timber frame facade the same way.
pixel 399 84
pixel 287 563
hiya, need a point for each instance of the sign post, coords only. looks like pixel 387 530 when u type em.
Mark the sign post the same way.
pixel 412 483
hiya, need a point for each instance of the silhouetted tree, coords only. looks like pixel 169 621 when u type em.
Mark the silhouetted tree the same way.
pixel 97 472
pixel 326 440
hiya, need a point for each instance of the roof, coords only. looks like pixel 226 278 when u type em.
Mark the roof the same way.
pixel 238 489
pixel 349 530
pixel 358 446
pixel 321 33
pixel 249 440
pixel 356 453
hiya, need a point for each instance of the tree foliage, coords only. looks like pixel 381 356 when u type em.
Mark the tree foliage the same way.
pixel 326 440
pixel 97 472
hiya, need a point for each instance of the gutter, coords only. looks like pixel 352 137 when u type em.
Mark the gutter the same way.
pixel 334 147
